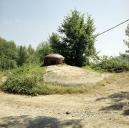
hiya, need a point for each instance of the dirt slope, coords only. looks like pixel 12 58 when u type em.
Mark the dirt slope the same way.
pixel 71 75
pixel 107 107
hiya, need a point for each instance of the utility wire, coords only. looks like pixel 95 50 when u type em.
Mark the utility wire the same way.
pixel 112 28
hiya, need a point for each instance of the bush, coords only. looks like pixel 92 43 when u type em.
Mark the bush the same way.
pixel 23 80
pixel 111 64
pixel 6 64
pixel 21 84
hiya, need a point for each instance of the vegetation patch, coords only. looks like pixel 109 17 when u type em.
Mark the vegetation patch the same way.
pixel 47 89
pixel 28 80
pixel 24 84
pixel 24 80
pixel 112 64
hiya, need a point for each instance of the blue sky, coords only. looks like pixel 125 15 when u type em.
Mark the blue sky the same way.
pixel 31 21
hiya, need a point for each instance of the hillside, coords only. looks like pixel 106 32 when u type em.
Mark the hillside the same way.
pixel 71 75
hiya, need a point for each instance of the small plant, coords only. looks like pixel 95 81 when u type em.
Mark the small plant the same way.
pixel 21 84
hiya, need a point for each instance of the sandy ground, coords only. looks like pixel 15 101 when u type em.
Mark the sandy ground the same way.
pixel 107 107
pixel 103 109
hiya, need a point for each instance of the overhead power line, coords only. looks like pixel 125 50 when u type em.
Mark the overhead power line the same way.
pixel 112 28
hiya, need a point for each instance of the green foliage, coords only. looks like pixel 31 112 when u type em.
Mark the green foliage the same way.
pixel 112 64
pixel 22 55
pixel 28 69
pixel 75 43
pixel 12 56
pixel 24 80
pixel 8 49
pixel 8 54
pixel 43 49
pixel 76 40
pixel 3 77
pixel 32 57
pixel 21 84
pixel 7 64
pixel 28 80
pixel 55 43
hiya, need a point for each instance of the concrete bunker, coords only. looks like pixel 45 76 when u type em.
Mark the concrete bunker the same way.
pixel 53 59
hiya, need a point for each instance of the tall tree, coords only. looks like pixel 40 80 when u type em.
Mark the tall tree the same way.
pixel 43 49
pixel 8 54
pixel 54 41
pixel 77 39
pixel 31 56
pixel 22 55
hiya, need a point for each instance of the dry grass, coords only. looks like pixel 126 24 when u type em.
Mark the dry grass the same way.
pixel 48 88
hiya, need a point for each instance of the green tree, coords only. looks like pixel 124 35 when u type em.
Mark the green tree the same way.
pixel 77 39
pixel 43 49
pixel 126 42
pixel 55 44
pixel 8 54
pixel 22 55
pixel 31 56
pixel 8 49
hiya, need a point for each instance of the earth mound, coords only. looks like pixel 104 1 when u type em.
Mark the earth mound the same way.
pixel 71 75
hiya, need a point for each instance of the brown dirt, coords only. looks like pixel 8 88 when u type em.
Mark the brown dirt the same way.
pixel 71 75
pixel 105 108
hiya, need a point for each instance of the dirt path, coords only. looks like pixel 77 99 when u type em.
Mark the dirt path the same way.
pixel 102 109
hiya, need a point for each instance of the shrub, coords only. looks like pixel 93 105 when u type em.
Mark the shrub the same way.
pixel 23 80
pixel 6 64
pixel 21 84
pixel 112 64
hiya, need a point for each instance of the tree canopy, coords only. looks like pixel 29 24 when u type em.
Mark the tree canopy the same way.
pixel 76 39
pixel 12 56
pixel 8 54
pixel 43 49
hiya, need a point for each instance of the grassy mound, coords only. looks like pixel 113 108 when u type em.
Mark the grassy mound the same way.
pixel 28 80
pixel 72 75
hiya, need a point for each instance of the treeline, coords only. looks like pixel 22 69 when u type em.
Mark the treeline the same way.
pixel 74 39
pixel 12 56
